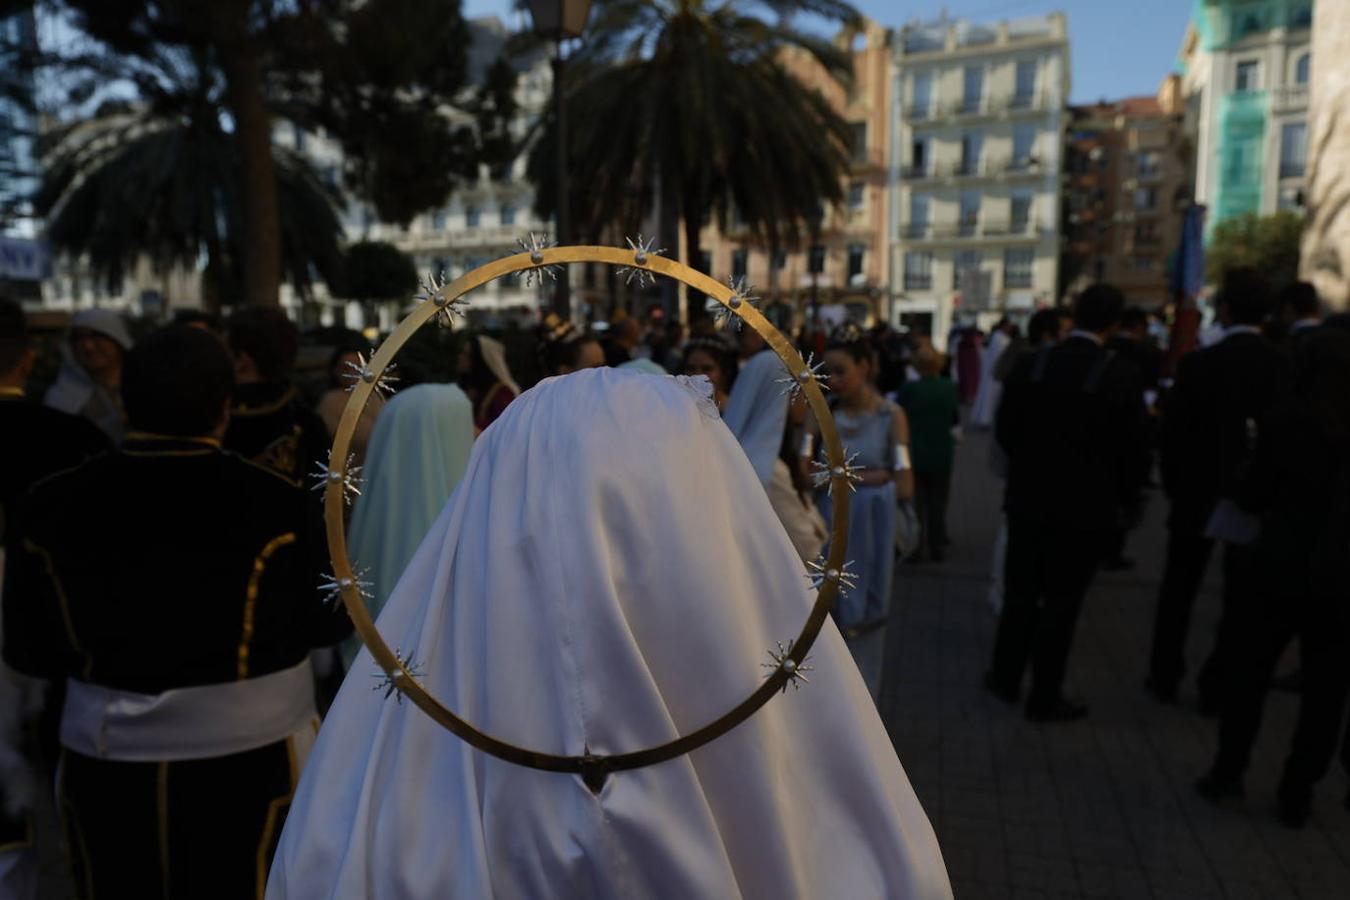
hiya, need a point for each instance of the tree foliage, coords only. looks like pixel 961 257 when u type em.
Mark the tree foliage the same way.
pixel 1269 244
pixel 688 103
pixel 376 270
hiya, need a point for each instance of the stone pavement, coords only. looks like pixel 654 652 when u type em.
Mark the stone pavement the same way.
pixel 1104 807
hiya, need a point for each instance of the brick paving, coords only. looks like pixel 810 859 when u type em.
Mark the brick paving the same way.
pixel 1103 807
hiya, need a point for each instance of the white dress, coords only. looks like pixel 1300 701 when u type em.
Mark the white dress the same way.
pixel 990 389
pixel 608 575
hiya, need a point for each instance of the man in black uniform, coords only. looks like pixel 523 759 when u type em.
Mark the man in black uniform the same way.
pixel 1132 343
pixel 37 441
pixel 173 584
pixel 1072 426
pixel 1208 432
pixel 270 423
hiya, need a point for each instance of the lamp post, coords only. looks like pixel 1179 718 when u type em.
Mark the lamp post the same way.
pixel 559 20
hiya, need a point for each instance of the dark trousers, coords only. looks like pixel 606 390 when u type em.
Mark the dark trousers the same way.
pixel 931 492
pixel 1256 644
pixel 202 828
pixel 1046 575
pixel 1187 557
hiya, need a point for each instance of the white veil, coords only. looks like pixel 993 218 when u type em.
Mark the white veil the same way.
pixel 609 574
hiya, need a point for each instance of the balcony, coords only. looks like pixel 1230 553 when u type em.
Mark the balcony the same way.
pixel 1289 99
pixel 960 232
pixel 918 282
pixel 1003 106
pixel 1292 169
pixel 915 113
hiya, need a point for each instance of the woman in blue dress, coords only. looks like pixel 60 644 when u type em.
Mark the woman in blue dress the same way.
pixel 876 430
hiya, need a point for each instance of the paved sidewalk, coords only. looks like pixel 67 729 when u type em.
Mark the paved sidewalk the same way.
pixel 1099 808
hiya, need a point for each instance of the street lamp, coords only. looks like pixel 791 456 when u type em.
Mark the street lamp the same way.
pixel 559 20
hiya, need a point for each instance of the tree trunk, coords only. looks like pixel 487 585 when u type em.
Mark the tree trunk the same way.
pixel 253 139
pixel 1326 240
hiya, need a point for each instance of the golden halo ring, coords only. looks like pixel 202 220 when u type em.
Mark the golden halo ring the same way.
pixel 592 768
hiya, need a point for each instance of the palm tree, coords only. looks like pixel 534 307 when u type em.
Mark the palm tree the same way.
pixel 686 103
pixel 166 184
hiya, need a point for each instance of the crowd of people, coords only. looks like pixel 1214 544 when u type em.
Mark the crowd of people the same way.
pixel 181 660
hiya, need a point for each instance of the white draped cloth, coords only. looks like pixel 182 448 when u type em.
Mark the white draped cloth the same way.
pixel 608 575
pixel 990 390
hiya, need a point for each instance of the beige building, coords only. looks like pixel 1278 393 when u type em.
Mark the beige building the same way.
pixel 846 263
pixel 978 133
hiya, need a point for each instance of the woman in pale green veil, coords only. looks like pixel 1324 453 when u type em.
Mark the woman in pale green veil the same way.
pixel 416 457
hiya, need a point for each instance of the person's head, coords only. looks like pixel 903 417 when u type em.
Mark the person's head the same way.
pixel 1134 323
pixel 1047 326
pixel 263 342
pixel 1244 297
pixel 200 318
pixel 849 363
pixel 564 349
pixel 626 333
pixel 927 361
pixel 343 363
pixel 98 341
pixel 749 342
pixel 713 357
pixel 1298 301
pixel 178 381
pixel 1099 308
pixel 16 354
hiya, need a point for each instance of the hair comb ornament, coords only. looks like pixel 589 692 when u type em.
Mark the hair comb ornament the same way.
pixel 401 676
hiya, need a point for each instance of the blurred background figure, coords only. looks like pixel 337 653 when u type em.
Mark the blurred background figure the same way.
pixel 485 377
pixel 713 356
pixel 417 456
pixel 790 490
pixel 931 406
pixel 757 410
pixel 342 367
pixel 625 334
pixel 89 382
pixel 990 387
pixel 564 348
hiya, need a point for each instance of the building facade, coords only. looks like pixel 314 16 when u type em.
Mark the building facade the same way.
pixel 978 124
pixel 1125 190
pixel 844 263
pixel 1247 68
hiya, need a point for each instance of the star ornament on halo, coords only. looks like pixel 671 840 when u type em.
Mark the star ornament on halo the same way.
pixel 535 245
pixel 782 662
pixel 825 474
pixel 743 293
pixel 433 290
pixel 392 684
pixel 332 587
pixel 795 381
pixel 360 371
pixel 641 250
pixel 821 574
pixel 349 477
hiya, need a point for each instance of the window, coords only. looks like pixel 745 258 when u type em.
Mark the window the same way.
pixel 1017 267
pixel 971 145
pixel 1146 163
pixel 964 261
pixel 438 220
pixel 779 259
pixel 1301 17
pixel 856 192
pixel 1020 218
pixel 922 103
pixel 855 261
pixel 918 161
pixel 739 262
pixel 440 266
pixel 1301 69
pixel 918 271
pixel 1025 91
pixel 972 93
pixel 508 214
pixel 1291 199
pixel 1248 76
pixel 1145 198
pixel 705 261
pixel 815 262
pixel 970 213
pixel 858 141
pixel 472 215
pixel 918 214
pixel 1024 146
pixel 1293 149
pixel 1146 233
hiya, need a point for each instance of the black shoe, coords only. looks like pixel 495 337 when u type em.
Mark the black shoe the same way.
pixel 1002 692
pixel 1119 564
pixel 1215 788
pixel 1295 805
pixel 1289 681
pixel 1163 693
pixel 1059 711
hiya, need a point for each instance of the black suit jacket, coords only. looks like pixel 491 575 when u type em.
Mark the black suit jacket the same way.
pixel 1072 423
pixel 1205 441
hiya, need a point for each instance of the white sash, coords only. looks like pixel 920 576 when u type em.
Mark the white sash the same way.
pixel 188 723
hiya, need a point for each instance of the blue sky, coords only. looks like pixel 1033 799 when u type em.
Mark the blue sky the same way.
pixel 1119 49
